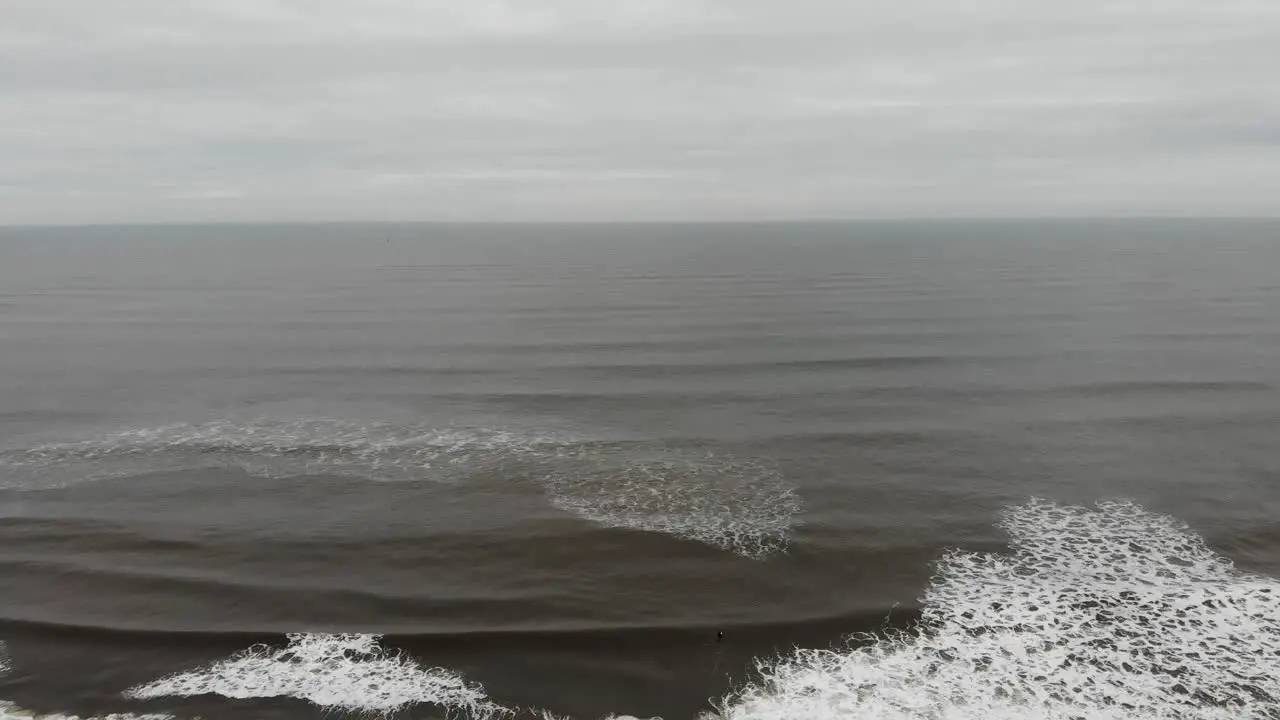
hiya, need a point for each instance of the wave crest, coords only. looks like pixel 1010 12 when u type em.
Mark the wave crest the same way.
pixel 741 506
pixel 332 671
pixel 268 448
pixel 1105 613
pixel 738 505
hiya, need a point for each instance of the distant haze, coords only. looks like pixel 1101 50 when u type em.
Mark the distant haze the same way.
pixel 173 110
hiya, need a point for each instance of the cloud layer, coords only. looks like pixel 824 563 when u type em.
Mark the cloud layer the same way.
pixel 163 110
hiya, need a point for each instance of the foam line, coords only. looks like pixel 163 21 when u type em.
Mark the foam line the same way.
pixel 547 715
pixel 1096 614
pixel 740 506
pixel 11 711
pixel 274 448
pixel 333 671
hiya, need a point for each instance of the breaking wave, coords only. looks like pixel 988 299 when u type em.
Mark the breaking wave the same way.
pixel 741 506
pixel 379 451
pixel 4 658
pixel 333 671
pixel 1105 613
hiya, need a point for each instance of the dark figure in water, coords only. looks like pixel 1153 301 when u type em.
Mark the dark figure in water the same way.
pixel 719 636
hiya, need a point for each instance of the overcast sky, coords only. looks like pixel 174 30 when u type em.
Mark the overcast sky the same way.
pixel 173 110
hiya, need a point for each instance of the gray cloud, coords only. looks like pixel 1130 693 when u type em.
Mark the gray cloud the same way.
pixel 170 110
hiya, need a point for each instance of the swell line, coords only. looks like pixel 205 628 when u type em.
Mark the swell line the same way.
pixel 853 622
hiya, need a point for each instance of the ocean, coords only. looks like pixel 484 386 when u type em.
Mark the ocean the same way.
pixel 948 469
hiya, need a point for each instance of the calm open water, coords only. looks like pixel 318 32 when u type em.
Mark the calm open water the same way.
pixel 550 465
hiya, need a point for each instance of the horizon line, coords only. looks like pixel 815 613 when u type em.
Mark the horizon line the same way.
pixel 638 222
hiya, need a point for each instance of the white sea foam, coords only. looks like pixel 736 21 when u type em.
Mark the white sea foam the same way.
pixel 741 506
pixel 274 448
pixel 4 658
pixel 343 671
pixel 1104 613
pixel 11 711
pixel 547 715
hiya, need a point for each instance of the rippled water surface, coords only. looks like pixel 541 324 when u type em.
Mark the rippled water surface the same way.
pixel 970 469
